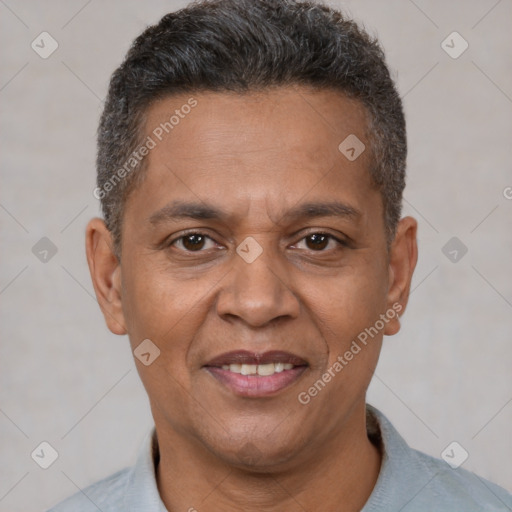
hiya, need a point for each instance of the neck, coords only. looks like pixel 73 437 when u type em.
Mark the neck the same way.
pixel 341 476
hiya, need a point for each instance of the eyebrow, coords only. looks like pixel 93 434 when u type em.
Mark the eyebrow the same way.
pixel 177 210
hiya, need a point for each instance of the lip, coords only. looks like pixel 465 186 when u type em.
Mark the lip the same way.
pixel 247 357
pixel 256 385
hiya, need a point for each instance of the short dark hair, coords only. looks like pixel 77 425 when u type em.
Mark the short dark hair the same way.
pixel 243 46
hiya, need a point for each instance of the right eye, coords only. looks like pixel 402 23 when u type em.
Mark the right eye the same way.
pixel 191 242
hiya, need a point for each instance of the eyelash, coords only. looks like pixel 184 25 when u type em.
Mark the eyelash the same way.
pixel 340 242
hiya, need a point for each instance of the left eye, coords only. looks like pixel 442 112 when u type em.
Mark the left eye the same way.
pixel 192 242
pixel 319 241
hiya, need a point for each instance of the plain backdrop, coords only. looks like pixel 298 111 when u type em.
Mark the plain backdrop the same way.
pixel 65 379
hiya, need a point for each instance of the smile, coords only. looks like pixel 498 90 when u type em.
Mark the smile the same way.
pixel 256 375
pixel 258 369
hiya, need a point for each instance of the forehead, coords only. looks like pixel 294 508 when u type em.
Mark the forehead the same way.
pixel 273 147
pixel 301 119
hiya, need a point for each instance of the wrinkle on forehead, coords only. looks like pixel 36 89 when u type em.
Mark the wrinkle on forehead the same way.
pixel 258 155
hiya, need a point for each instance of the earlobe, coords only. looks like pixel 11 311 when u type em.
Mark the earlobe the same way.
pixel 105 272
pixel 402 262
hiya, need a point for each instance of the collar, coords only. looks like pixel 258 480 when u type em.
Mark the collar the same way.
pixel 141 492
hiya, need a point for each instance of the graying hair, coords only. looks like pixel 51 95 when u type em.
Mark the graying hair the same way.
pixel 243 46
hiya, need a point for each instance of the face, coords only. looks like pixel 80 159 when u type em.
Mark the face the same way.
pixel 254 245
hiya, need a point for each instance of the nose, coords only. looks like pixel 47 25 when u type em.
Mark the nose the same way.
pixel 257 293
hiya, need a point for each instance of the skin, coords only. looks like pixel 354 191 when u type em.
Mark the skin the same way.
pixel 256 156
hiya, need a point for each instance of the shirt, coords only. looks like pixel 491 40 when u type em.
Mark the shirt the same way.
pixel 409 481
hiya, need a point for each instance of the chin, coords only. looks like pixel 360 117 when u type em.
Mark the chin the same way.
pixel 259 454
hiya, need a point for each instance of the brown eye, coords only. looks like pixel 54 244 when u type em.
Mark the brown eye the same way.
pixel 192 242
pixel 317 241
pixel 321 242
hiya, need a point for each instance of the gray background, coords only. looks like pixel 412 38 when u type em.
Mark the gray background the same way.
pixel 65 379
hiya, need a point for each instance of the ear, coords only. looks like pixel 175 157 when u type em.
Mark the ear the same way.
pixel 402 262
pixel 105 272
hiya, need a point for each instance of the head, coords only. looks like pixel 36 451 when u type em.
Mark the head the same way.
pixel 251 163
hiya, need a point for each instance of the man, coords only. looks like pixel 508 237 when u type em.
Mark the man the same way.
pixel 251 165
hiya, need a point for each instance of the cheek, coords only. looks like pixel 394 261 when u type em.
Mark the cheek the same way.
pixel 347 310
pixel 352 301
pixel 169 310
pixel 163 310
pixel 156 302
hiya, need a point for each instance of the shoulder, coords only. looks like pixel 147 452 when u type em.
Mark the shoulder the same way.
pixel 412 481
pixel 132 488
pixel 457 489
pixel 105 495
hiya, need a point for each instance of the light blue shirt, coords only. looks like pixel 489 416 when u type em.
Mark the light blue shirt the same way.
pixel 409 481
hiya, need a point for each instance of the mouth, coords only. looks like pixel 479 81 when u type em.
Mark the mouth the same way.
pixel 256 375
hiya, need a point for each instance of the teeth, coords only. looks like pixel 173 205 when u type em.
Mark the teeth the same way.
pixel 258 369
pixel 266 369
pixel 249 369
